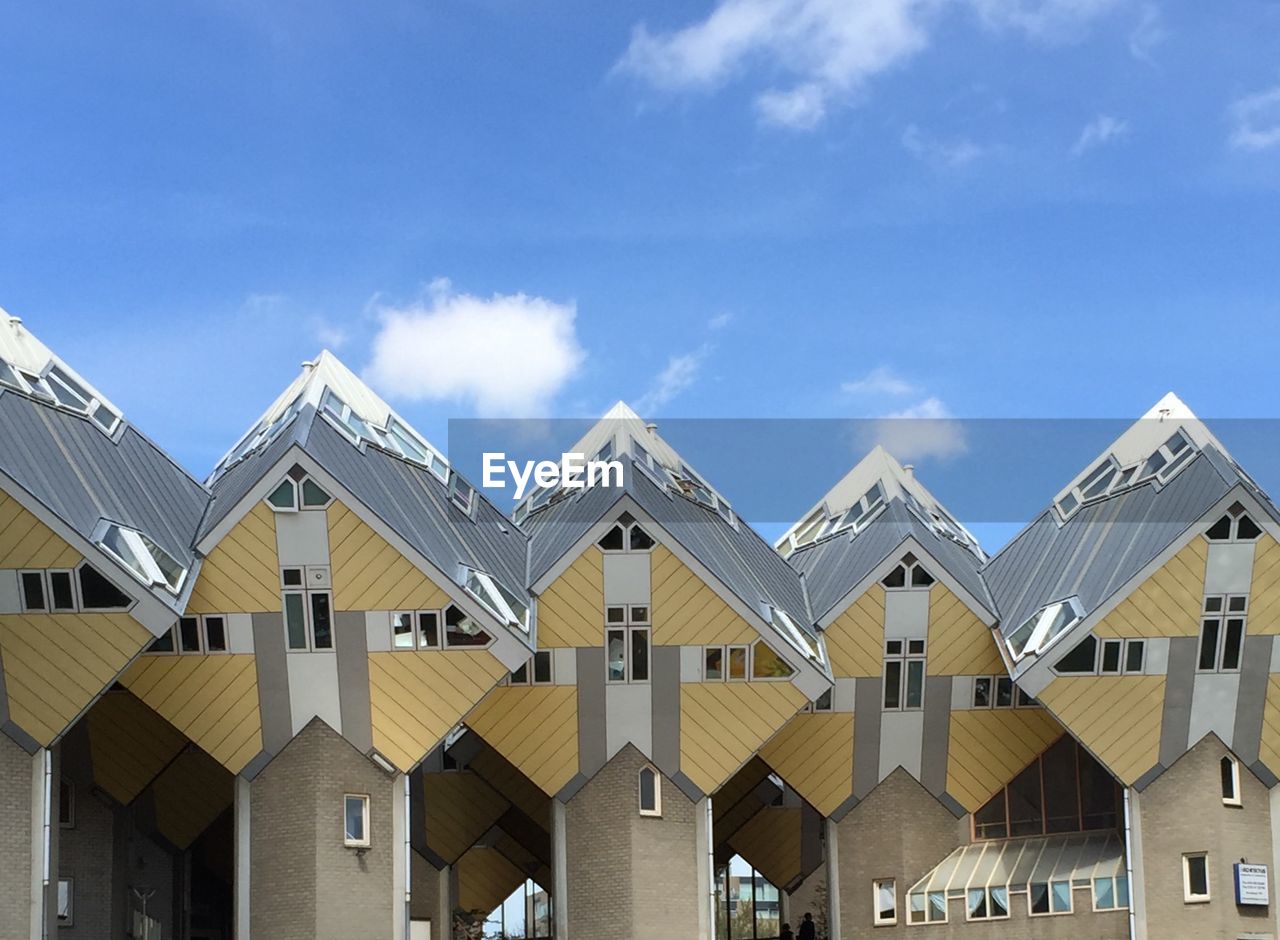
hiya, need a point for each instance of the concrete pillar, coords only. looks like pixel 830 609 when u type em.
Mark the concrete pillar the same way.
pixel 559 871
pixel 706 869
pixel 833 881
pixel 243 842
pixel 400 894
pixel 1137 879
pixel 444 905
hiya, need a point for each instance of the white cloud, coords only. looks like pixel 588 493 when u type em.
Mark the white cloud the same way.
pixel 882 380
pixel 508 354
pixel 678 375
pixel 925 429
pixel 950 154
pixel 826 49
pixel 1148 34
pixel 330 335
pixel 1102 130
pixel 1256 120
pixel 719 321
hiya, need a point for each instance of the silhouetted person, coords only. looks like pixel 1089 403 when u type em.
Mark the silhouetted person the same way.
pixel 786 933
pixel 806 929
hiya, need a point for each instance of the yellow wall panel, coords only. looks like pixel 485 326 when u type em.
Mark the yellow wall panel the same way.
pixel 460 808
pixel 242 572
pixel 814 754
pixel 486 878
pixel 855 639
pixel 959 643
pixel 1264 593
pixel 989 747
pixel 722 724
pixel 686 611
pixel 770 842
pixel 1118 718
pixel 55 664
pixel 192 792
pixel 1269 751
pixel 535 728
pixel 416 698
pixel 213 700
pixel 26 542
pixel 1168 603
pixel 369 574
pixel 571 609
pixel 129 744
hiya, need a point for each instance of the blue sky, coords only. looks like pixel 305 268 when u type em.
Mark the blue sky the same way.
pixel 743 208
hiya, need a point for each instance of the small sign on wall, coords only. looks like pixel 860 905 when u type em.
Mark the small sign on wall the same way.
pixel 1251 885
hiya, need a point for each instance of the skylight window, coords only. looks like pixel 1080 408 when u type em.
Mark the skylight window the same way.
pixel 148 562
pixel 818 524
pixel 57 386
pixel 1109 478
pixel 501 603
pixel 396 438
pixel 806 644
pixel 1043 627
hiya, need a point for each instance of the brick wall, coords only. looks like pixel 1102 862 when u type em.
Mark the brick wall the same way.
pixel 1182 811
pixel 85 856
pixel 306 884
pixel 630 877
pixel 15 839
pixel 424 889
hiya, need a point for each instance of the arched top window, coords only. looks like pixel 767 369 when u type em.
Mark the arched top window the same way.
pixel 1235 526
pixel 908 573
pixel 626 536
pixel 1230 781
pixel 649 791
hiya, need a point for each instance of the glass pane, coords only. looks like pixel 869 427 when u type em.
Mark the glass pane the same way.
pixel 640 655
pixel 215 634
pixel 32 591
pixel 893 683
pixel 1061 896
pixel 1228 779
pixel 1004 692
pixel 937 906
pixel 989 821
pixel 737 662
pixel 886 902
pixel 978 903
pixel 896 578
pixel 611 541
pixel 1061 798
pixel 295 620
pixel 521 675
pixel 97 593
pixel 162 644
pixel 542 666
pixel 1000 902
pixel 1111 656
pixel 1209 644
pixel 1039 898
pixel 1122 891
pixel 1236 603
pixel 1025 814
pixel 292 577
pixel 429 629
pixel 1133 656
pixel 62 595
pixel 823 704
pixel 321 625
pixel 766 664
pixel 312 495
pixel 461 630
pixel 982 692
pixel 1247 529
pixel 355 819
pixel 189 634
pixel 1231 643
pixel 1197 875
pixel 615 615
pixel 915 908
pixel 640 540
pixel 1104 894
pixel 616 653
pixel 639 613
pixel 402 631
pixel 915 683
pixel 648 788
pixel 283 496
pixel 714 668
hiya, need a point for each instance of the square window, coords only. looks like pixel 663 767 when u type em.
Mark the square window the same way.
pixel 639 614
pixel 356 820
pixel 615 615
pixel 1135 652
pixel 1111 656
pixel 291 577
pixel 982 692
pixel 189 634
pixel 893 647
pixel 402 632
pixel 737 662
pixel 215 634
pixel 1195 878
pixel 1004 692
pixel 915 647
pixel 713 663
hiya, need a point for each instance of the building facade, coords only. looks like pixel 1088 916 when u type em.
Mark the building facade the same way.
pixel 331 691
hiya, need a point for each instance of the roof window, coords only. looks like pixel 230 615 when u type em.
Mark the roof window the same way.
pixel 1044 626
pixel 59 387
pixel 500 602
pixel 146 560
pixel 1108 477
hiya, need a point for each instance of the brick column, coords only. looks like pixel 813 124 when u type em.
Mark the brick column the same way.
pixel 23 898
pixel 833 881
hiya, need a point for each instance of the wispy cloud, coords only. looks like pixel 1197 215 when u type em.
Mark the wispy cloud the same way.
pixel 679 374
pixel 719 321
pixel 1255 121
pixel 827 49
pixel 330 335
pixel 925 429
pixel 882 380
pixel 949 154
pixel 457 347
pixel 1102 130
pixel 1149 34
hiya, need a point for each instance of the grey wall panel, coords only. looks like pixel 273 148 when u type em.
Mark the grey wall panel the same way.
pixel 592 731
pixel 273 680
pixel 666 708
pixel 937 734
pixel 353 678
pixel 1252 700
pixel 866 736
pixel 1175 725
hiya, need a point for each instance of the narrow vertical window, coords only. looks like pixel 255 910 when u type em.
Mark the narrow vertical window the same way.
pixel 62 595
pixel 1195 878
pixel 295 620
pixel 885 893
pixel 66 902
pixel 189 634
pixel 429 629
pixel 627 643
pixel 904 669
pixel 542 674
pixel 650 792
pixel 1230 781
pixel 737 662
pixel 402 631
pixel 356 820
pixel 33 594
pixel 215 634
pixel 321 621
pixel 713 663
pixel 66 804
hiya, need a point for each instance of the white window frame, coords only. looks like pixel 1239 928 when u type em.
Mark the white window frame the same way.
pixel 151 575
pixel 366 816
pixel 908 575
pixel 494 599
pixel 308 621
pixel 44 589
pixel 905 658
pixel 823 704
pixel 876 918
pixel 80 592
pixel 456 484
pixel 1071 900
pixel 1115 892
pixel 1044 618
pixel 1222 616
pixel 444 631
pixel 987 891
pixel 656 809
pixel 71 574
pixel 927 910
pixel 530 670
pixel 70 919
pixel 1187 896
pixel 629 625
pixel 1235 798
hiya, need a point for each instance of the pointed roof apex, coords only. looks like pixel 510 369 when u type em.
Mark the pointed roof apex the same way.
pixel 621 410
pixel 1170 407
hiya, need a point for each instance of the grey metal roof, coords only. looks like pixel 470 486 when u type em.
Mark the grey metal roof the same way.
pixel 835 565
pixel 1104 544
pixel 553 530
pixel 82 475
